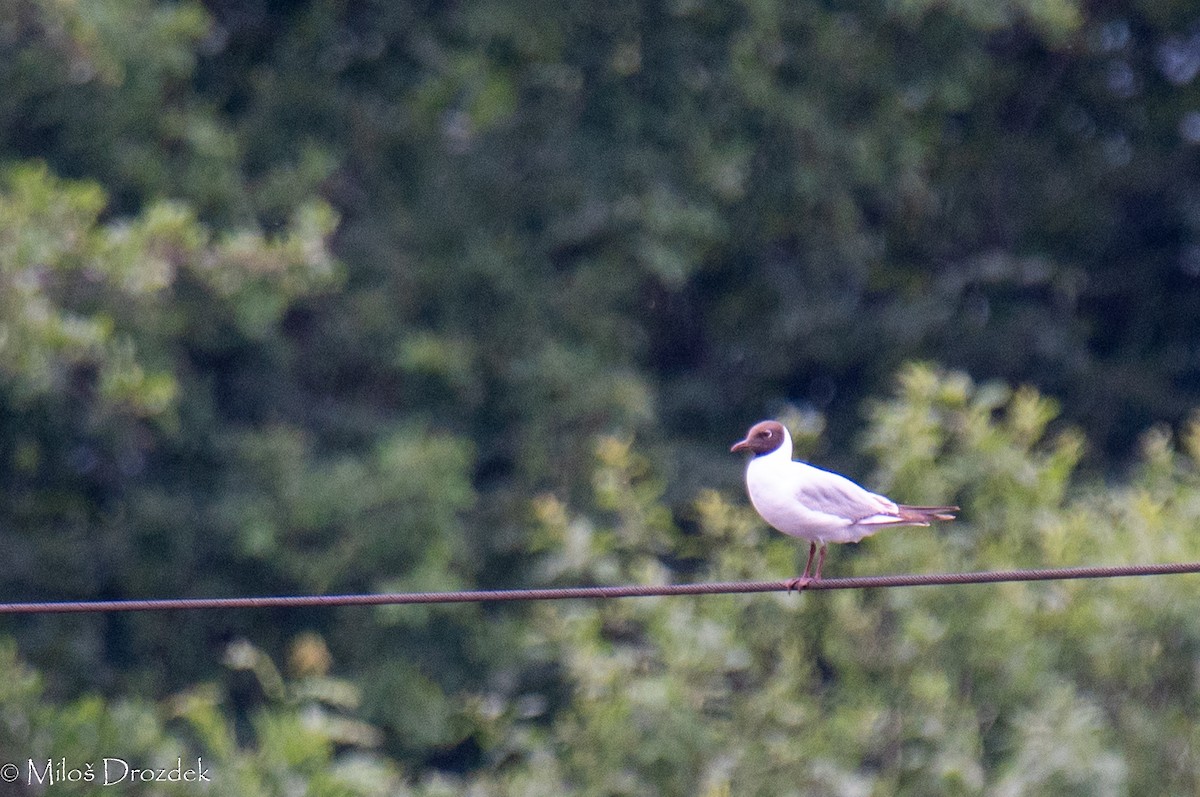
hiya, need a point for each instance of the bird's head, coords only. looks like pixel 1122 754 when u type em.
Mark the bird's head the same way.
pixel 763 438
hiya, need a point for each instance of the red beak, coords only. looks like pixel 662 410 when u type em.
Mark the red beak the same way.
pixel 740 445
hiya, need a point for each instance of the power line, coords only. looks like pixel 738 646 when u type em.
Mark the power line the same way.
pixel 592 593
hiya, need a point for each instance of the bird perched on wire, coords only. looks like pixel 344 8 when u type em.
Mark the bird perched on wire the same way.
pixel 814 504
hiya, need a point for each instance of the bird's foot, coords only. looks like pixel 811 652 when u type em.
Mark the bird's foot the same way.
pixel 799 583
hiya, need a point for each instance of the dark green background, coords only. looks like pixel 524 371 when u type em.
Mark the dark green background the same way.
pixel 304 297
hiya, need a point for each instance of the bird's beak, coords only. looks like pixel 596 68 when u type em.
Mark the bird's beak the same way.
pixel 740 445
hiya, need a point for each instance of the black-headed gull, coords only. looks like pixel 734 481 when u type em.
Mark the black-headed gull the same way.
pixel 814 504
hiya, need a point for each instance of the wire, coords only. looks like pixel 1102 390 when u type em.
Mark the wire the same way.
pixel 592 593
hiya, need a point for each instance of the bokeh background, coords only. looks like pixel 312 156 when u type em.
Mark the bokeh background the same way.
pixel 306 296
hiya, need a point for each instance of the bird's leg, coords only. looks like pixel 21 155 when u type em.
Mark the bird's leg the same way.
pixel 800 583
pixel 821 561
pixel 812 549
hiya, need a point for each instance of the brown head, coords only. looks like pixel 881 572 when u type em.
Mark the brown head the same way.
pixel 763 438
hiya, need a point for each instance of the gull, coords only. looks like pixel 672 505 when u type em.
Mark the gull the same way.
pixel 814 504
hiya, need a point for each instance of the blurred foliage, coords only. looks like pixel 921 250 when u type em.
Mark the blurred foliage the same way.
pixel 73 288
pixel 300 731
pixel 325 297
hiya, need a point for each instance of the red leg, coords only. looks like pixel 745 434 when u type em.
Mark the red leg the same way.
pixel 802 582
pixel 821 561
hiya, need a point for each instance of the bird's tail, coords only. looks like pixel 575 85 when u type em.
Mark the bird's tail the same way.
pixel 924 514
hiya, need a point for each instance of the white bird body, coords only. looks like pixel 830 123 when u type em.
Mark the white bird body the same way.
pixel 814 504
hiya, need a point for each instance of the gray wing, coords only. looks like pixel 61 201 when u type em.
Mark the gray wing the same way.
pixel 823 491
